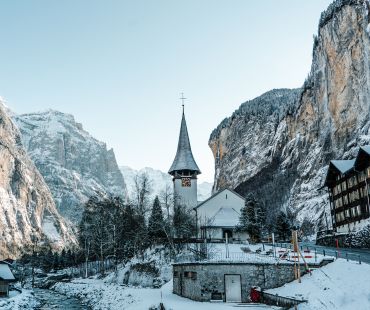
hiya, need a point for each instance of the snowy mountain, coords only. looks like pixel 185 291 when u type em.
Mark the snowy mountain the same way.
pixel 73 163
pixel 278 145
pixel 159 181
pixel 26 204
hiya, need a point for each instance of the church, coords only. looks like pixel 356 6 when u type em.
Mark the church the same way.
pixel 216 217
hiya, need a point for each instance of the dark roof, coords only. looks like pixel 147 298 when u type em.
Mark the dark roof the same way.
pixel 343 165
pixel 338 167
pixel 362 158
pixel 5 272
pixel 184 159
pixel 215 194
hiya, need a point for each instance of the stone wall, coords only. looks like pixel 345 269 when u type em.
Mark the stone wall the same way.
pixel 209 278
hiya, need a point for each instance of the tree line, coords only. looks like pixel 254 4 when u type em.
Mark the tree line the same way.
pixel 260 223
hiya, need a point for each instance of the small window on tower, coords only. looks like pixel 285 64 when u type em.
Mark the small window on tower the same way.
pixel 186 182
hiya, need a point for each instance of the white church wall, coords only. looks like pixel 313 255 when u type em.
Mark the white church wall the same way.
pixel 224 199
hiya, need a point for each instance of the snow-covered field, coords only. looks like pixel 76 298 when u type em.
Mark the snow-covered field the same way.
pixel 17 301
pixel 340 285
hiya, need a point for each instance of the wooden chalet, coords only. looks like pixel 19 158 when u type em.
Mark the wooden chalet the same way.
pixel 348 185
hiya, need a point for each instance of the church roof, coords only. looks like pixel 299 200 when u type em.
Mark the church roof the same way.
pixel 201 203
pixel 184 159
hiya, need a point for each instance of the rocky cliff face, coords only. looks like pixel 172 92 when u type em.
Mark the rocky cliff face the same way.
pixel 74 164
pixel 279 144
pixel 26 206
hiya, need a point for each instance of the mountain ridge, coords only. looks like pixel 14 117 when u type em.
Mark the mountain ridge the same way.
pixel 75 165
pixel 327 118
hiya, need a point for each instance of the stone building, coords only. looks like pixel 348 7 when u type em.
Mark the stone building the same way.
pixel 228 281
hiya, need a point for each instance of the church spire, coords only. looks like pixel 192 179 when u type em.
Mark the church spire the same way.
pixel 184 159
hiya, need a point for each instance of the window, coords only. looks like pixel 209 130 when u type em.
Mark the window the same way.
pixel 345 199
pixel 338 202
pixel 346 214
pixel 339 189
pixel 339 217
pixel 358 210
pixel 190 275
pixel 175 274
pixel 362 176
pixel 368 172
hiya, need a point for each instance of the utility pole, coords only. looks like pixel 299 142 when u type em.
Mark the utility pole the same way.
pixel 297 268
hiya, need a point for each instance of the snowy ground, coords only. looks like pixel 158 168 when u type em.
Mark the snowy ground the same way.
pixel 114 297
pixel 236 253
pixel 340 285
pixel 17 301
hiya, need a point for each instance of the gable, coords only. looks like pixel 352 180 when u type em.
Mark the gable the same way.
pixel 225 199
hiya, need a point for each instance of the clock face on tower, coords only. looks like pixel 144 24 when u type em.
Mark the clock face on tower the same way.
pixel 186 182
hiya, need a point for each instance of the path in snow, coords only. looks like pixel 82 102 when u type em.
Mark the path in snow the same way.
pixel 53 300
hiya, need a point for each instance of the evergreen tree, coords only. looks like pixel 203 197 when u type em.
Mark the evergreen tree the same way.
pixel 252 219
pixel 283 226
pixel 156 221
pixel 183 222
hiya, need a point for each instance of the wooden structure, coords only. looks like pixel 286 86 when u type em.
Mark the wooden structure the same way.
pixel 6 277
pixel 348 186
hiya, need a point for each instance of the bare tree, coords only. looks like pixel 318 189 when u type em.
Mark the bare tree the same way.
pixel 167 199
pixel 143 189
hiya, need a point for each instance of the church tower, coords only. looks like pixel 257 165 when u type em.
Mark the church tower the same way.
pixel 184 170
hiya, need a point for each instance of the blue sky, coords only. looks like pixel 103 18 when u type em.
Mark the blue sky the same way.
pixel 119 66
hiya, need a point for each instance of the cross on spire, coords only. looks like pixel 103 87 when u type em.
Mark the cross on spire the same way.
pixel 183 101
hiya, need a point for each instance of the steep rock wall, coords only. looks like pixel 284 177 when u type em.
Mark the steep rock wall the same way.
pixel 27 209
pixel 283 159
pixel 75 165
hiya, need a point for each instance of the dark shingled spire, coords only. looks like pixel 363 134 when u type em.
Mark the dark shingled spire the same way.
pixel 184 159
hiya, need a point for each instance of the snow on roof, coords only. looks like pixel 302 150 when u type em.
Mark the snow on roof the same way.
pixel 5 272
pixel 225 217
pixel 343 165
pixel 366 148
pixel 215 194
pixel 184 159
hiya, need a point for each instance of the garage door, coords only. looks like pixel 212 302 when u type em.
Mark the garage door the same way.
pixel 233 289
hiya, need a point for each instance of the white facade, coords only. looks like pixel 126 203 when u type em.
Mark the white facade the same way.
pixel 219 215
